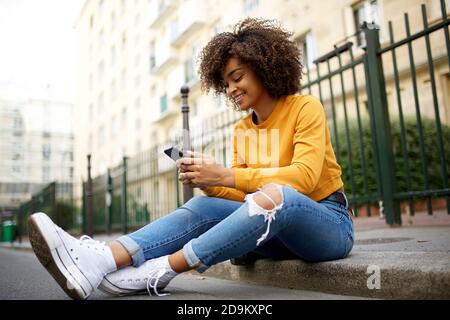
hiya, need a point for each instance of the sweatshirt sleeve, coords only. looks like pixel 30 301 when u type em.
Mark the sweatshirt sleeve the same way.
pixel 224 192
pixel 309 154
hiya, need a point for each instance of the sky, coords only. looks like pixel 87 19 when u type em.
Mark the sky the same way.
pixel 38 49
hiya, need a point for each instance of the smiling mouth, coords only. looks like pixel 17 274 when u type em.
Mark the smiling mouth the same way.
pixel 238 98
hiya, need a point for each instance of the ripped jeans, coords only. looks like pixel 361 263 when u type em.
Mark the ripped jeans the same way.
pixel 211 230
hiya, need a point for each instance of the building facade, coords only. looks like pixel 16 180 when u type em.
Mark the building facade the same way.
pixel 36 147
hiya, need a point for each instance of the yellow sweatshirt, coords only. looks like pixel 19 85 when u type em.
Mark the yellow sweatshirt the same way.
pixel 291 147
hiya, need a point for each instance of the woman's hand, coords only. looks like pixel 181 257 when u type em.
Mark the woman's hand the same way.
pixel 199 170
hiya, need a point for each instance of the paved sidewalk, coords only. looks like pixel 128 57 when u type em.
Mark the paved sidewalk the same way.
pixel 408 262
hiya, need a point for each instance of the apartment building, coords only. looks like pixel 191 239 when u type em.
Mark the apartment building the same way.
pixel 36 147
pixel 136 54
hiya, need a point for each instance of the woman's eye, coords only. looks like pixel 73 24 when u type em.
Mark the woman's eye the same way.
pixel 238 79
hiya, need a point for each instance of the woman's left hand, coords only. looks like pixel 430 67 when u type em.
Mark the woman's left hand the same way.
pixel 199 170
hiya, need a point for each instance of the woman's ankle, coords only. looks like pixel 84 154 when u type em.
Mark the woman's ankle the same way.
pixel 178 263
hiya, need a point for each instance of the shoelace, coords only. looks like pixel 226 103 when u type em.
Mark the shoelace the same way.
pixel 155 275
pixel 96 243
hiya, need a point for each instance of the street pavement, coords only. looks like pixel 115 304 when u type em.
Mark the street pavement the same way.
pixel 24 278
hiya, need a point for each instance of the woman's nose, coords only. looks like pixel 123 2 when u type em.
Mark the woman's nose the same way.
pixel 231 90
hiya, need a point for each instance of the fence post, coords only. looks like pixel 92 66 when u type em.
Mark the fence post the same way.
pixel 376 91
pixel 55 213
pixel 83 208
pixel 108 201
pixel 123 202
pixel 89 201
pixel 188 192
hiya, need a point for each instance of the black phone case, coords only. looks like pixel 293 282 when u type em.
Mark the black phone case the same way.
pixel 174 153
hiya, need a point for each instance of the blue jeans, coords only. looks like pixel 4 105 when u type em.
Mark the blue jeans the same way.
pixel 211 230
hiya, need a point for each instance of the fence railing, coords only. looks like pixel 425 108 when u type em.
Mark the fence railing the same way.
pixel 55 199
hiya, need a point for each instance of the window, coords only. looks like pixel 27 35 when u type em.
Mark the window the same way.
pixel 101 136
pixel 17 123
pixel 365 11
pixel 91 112
pixel 250 5
pixel 137 81
pixel 307 46
pixel 90 138
pixel 137 123
pixel 124 41
pixel 194 109
pixel 137 40
pixel 101 38
pixel 45 174
pixel 91 52
pixel 91 82
pixel 113 91
pixel 138 146
pixel 152 58
pixel 113 127
pixel 137 60
pixel 123 118
pixel 163 103
pixel 113 55
pixel 101 70
pixel 113 21
pixel 173 29
pixel 137 19
pixel 153 91
pixel 46 151
pixel 188 70
pixel 137 103
pixel 100 7
pixel 100 102
pixel 123 80
pixel 189 66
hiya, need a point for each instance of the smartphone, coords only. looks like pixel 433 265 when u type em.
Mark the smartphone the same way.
pixel 174 153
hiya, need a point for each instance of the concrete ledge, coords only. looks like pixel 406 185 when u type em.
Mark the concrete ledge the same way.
pixel 403 275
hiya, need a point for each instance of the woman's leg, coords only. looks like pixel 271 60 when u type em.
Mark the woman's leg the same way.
pixel 313 231
pixel 171 232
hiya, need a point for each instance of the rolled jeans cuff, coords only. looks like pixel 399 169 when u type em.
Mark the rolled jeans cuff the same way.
pixel 135 251
pixel 192 260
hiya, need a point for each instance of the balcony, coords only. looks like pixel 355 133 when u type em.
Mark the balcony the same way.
pixel 165 58
pixel 194 15
pixel 160 11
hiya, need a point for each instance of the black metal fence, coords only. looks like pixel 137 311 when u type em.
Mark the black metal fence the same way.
pixel 56 199
pixel 389 156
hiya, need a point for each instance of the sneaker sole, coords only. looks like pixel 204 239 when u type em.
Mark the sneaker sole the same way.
pixel 109 288
pixel 53 255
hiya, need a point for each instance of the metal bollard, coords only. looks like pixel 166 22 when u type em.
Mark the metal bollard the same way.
pixel 188 192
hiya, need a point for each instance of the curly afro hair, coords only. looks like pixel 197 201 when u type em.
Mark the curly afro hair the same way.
pixel 264 47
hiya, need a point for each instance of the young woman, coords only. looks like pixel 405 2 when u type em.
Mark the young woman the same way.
pixel 282 197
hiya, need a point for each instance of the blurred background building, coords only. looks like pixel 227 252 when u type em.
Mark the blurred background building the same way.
pixel 36 147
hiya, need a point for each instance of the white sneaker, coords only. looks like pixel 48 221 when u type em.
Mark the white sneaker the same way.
pixel 153 275
pixel 77 265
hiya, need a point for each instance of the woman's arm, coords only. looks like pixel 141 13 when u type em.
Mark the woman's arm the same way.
pixel 213 179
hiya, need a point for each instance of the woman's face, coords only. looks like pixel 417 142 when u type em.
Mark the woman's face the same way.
pixel 242 84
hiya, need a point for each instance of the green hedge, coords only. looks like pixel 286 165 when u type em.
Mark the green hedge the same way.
pixel 433 164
